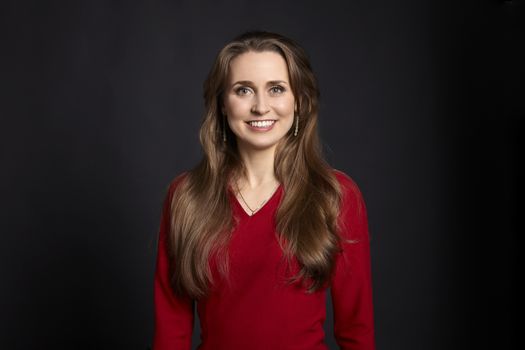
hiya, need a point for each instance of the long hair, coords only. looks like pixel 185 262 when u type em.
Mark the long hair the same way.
pixel 306 219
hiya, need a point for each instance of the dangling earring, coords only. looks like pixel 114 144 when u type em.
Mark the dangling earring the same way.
pixel 224 129
pixel 296 125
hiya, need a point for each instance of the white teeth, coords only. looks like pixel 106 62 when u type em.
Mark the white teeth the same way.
pixel 262 124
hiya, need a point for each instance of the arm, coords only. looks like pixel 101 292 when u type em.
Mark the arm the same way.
pixel 173 315
pixel 351 288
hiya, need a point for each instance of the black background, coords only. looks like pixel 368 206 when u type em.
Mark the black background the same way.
pixel 422 103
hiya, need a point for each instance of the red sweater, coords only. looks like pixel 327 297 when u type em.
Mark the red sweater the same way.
pixel 256 310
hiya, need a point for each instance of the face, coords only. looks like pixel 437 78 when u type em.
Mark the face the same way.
pixel 258 100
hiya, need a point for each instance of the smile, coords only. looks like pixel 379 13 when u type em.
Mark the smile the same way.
pixel 261 124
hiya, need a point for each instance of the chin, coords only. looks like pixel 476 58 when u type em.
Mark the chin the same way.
pixel 259 145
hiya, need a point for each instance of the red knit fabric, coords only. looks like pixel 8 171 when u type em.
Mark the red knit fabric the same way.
pixel 256 309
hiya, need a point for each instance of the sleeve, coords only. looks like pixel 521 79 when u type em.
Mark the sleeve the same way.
pixel 351 288
pixel 173 315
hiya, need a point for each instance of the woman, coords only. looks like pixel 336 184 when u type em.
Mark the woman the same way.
pixel 262 226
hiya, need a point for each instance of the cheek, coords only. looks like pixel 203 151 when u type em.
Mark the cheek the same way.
pixel 285 106
pixel 236 106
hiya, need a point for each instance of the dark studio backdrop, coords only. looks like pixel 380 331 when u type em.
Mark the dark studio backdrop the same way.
pixel 422 103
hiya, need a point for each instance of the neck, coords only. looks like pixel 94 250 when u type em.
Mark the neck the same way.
pixel 259 166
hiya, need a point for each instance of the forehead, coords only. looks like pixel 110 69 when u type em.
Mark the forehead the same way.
pixel 258 67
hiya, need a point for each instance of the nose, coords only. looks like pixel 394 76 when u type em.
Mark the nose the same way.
pixel 260 106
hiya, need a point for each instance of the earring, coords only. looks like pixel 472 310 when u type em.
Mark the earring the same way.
pixel 296 125
pixel 224 129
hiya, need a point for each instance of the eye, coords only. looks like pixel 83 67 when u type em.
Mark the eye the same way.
pixel 277 89
pixel 242 91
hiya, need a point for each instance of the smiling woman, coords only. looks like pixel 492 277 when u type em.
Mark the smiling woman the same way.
pixel 257 99
pixel 262 226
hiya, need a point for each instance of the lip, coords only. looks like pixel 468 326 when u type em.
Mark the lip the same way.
pixel 261 120
pixel 268 128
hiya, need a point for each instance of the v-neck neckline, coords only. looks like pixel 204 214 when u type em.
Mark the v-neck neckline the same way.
pixel 265 205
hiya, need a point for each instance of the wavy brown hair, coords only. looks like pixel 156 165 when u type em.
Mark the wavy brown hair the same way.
pixel 201 216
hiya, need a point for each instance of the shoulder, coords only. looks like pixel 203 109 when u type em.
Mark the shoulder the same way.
pixel 174 183
pixel 349 187
pixel 172 186
pixel 169 191
pixel 353 210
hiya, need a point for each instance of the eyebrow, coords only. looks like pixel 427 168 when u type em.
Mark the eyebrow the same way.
pixel 248 82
